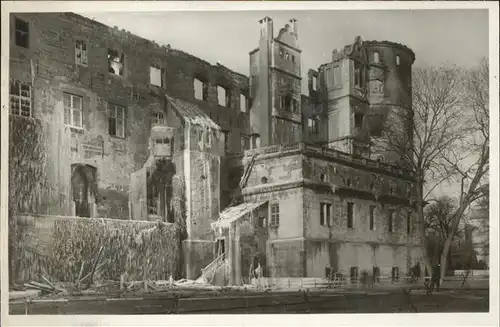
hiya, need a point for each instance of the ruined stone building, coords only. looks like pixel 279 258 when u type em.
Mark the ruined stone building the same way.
pixel 257 172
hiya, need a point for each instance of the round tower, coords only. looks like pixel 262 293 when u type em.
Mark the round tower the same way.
pixel 390 98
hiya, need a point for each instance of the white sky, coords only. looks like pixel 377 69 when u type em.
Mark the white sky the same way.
pixel 436 36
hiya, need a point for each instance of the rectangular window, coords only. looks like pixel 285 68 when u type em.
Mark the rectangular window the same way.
pixel 350 215
pixel 159 118
pixel 390 218
pixel 73 105
pixel 354 274
pixel 372 217
pixel 325 214
pixel 227 136
pixel 282 102
pixel 20 98
pixel 357 75
pixel 200 89
pixel 221 96
pixel 395 274
pixel 397 60
pixel 336 76
pixel 408 223
pixel 312 125
pixel 275 215
pixel 376 58
pixel 293 58
pixel 314 83
pixel 116 120
pixel 116 62
pixel 358 120
pixel 22 33
pixel 243 103
pixel 155 76
pixel 81 52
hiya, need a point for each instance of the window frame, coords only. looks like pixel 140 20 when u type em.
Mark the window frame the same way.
pixel 350 215
pixel 155 120
pixel 121 56
pixel 390 221
pixel 19 33
pixel 160 71
pixel 371 218
pixel 72 109
pixel 325 212
pixel 20 97
pixel 116 118
pixel 83 53
pixel 274 213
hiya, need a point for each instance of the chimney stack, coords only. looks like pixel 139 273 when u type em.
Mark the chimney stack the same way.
pixel 266 28
pixel 295 28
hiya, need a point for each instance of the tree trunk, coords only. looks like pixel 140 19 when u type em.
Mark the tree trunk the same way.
pixel 421 223
pixel 447 244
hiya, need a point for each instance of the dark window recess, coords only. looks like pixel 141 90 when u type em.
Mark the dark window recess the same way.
pixel 22 33
pixel 325 214
pixel 358 120
pixel 372 217
pixel 354 274
pixel 116 62
pixel 262 222
pixel 312 125
pixel 390 222
pixel 395 274
pixel 376 274
pixel 275 215
pixel 350 215
pixel 408 223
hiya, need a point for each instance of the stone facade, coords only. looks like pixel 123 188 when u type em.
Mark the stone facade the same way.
pixel 100 92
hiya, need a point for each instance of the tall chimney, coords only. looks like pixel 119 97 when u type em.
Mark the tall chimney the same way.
pixel 295 27
pixel 266 28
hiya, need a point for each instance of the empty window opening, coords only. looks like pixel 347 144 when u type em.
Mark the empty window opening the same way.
pixel 287 56
pixel 354 275
pixel 275 214
pixel 293 58
pixel 22 33
pixel 221 247
pixel 20 98
pixel 81 52
pixel 408 222
pixel 376 58
pixel 322 177
pixel 358 120
pixel 325 210
pixel 116 62
pixel 395 274
pixel 116 120
pixel 398 61
pixel 390 221
pixel 255 141
pixel 73 110
pixel 262 222
pixel 227 136
pixel 200 89
pixel 155 76
pixel 159 118
pixel 295 106
pixel 243 103
pixel 350 215
pixel 372 217
pixel 358 75
pixel 312 125
pixel 376 274
pixel 222 97
pixel 314 83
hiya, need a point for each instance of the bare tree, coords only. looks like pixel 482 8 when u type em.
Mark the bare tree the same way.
pixel 469 160
pixel 421 137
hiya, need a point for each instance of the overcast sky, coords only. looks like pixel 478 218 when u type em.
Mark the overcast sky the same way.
pixel 436 36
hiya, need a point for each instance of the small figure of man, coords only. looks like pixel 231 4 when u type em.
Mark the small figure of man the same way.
pixel 436 275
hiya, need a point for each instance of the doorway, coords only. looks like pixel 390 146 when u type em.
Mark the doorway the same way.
pixel 80 187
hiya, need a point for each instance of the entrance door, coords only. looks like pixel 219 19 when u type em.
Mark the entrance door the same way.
pixel 80 186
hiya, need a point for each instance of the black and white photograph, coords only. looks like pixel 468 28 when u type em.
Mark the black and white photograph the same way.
pixel 241 159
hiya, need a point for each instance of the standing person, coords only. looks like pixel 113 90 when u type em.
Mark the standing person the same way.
pixel 436 276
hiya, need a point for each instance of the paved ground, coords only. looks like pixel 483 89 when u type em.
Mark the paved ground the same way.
pixel 463 300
